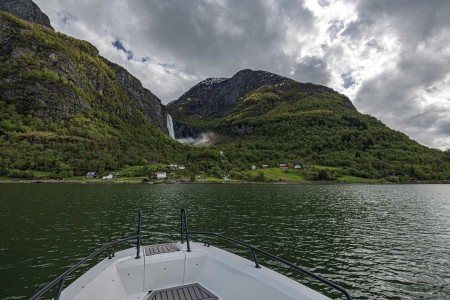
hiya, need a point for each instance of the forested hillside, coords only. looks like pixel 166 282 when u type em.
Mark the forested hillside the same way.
pixel 293 122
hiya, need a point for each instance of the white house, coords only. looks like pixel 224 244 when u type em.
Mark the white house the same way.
pixel 110 176
pixel 161 175
pixel 158 175
pixel 253 167
pixel 91 175
pixel 181 167
pixel 173 167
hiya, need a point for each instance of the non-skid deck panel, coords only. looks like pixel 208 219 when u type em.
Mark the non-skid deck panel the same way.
pixel 160 248
pixel 185 292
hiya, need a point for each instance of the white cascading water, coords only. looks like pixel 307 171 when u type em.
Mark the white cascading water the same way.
pixel 170 126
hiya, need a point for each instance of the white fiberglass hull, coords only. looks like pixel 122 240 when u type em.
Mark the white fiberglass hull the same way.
pixel 224 274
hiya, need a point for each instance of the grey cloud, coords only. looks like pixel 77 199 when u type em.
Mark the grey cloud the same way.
pixel 324 2
pixel 312 69
pixel 414 20
pixel 395 96
pixel 335 27
pixel 66 17
pixel 444 127
pixel 218 40
pixel 392 94
pixel 374 44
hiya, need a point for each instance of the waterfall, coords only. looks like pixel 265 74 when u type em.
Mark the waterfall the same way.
pixel 170 126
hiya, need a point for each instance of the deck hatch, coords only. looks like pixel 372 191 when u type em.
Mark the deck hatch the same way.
pixel 161 248
pixel 184 292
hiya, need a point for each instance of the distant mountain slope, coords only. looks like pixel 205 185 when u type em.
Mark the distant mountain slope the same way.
pixel 281 120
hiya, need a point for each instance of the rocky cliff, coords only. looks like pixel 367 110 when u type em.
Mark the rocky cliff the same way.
pixel 48 74
pixel 143 99
pixel 26 10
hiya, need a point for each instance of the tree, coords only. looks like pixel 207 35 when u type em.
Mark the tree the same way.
pixel 192 177
pixel 323 175
pixel 261 177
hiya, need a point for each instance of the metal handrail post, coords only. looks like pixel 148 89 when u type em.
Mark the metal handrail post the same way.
pixel 181 222
pixel 255 259
pixel 138 239
pixel 60 287
pixel 186 229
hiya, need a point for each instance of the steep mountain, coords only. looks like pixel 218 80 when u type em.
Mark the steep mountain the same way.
pixel 26 10
pixel 65 107
pixel 263 118
pixel 214 96
pixel 41 67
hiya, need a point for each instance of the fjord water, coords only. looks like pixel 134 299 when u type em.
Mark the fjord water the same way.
pixel 378 241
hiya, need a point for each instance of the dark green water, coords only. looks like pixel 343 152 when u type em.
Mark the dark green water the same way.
pixel 378 241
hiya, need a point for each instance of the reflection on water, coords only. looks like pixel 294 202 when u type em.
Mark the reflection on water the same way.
pixel 379 241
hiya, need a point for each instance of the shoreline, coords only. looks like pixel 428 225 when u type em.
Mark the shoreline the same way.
pixel 75 181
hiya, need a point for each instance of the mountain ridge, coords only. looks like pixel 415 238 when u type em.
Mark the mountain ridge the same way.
pixel 213 96
pixel 66 109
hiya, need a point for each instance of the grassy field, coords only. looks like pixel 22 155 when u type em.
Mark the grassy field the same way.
pixel 353 179
pixel 41 173
pixel 277 173
pixel 318 167
pixel 214 179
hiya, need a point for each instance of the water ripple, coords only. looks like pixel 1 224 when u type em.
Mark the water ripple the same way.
pixel 378 241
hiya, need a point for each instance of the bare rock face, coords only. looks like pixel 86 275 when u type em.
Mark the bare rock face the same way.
pixel 214 96
pixel 142 98
pixel 23 56
pixel 26 10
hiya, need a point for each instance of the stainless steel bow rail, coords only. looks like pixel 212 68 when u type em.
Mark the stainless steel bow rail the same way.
pixel 254 250
pixel 60 280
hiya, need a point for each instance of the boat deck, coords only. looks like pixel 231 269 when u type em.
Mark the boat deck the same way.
pixel 160 248
pixel 185 292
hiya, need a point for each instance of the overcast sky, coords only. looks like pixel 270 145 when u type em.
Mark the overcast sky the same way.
pixel 391 58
